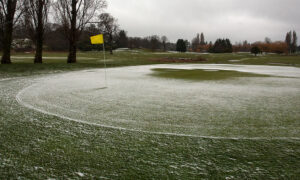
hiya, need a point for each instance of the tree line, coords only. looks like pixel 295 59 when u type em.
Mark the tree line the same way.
pixel 32 16
pixel 288 46
pixel 26 22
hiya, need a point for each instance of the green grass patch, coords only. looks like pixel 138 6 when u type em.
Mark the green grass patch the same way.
pixel 201 74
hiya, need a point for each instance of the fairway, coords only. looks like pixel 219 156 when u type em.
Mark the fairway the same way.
pixel 235 102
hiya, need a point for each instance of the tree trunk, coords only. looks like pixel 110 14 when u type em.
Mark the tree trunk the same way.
pixel 39 35
pixel 7 39
pixel 7 45
pixel 39 49
pixel 72 51
pixel 73 35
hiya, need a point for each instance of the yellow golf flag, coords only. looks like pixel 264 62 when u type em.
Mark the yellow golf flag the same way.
pixel 98 39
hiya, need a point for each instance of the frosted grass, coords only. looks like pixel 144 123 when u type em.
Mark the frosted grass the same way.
pixel 248 107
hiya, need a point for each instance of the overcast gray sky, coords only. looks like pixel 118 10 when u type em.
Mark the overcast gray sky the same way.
pixel 235 19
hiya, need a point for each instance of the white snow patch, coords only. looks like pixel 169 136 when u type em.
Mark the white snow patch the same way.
pixel 7 79
pixel 80 174
pixel 234 60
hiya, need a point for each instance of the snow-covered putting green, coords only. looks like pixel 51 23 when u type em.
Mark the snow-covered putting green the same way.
pixel 250 102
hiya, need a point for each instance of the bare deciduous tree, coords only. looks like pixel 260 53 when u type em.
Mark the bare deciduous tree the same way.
pixel 196 42
pixel 10 11
pixel 36 17
pixel 164 40
pixel 74 15
pixel 155 42
pixel 1 26
pixel 108 25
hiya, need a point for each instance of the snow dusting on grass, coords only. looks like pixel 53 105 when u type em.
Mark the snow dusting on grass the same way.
pixel 239 107
pixel 35 145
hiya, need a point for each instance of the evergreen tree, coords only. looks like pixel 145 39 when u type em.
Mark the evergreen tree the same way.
pixel 221 46
pixel 255 50
pixel 288 40
pixel 122 39
pixel 181 45
pixel 228 46
pixel 202 40
pixel 294 42
pixel 291 41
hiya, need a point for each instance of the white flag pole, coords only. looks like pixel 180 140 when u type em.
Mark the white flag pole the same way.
pixel 104 57
pixel 104 64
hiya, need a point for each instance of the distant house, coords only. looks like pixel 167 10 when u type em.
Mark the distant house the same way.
pixel 22 45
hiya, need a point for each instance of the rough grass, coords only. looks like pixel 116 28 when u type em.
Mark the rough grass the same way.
pixel 57 63
pixel 38 146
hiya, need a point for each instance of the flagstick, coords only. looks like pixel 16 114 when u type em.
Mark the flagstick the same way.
pixel 104 64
